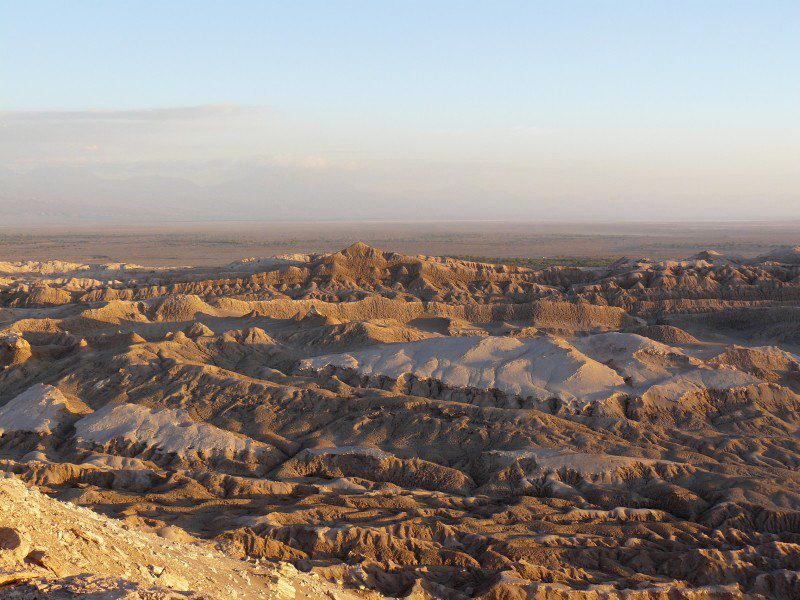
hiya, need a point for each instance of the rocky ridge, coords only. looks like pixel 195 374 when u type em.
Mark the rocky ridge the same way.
pixel 421 427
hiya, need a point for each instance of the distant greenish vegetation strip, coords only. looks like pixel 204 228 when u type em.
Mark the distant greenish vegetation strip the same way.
pixel 541 262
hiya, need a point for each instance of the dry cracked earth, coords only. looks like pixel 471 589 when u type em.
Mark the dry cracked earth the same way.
pixel 368 424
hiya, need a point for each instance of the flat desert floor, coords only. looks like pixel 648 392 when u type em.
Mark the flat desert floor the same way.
pixel 217 244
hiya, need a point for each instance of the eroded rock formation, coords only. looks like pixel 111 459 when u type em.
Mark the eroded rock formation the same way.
pixel 424 427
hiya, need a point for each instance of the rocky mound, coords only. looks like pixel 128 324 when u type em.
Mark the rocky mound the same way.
pixel 14 349
pixel 171 435
pixel 41 409
pixel 787 255
pixel 539 369
pixel 666 334
pixel 52 550
pixel 767 362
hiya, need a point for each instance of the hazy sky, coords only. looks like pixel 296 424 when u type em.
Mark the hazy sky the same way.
pixel 399 109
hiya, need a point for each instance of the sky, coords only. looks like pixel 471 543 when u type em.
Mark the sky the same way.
pixel 399 110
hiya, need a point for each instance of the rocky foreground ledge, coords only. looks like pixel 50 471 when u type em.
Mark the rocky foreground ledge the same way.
pixel 51 549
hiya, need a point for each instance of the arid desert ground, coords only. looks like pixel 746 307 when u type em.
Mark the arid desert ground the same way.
pixel 220 243
pixel 450 411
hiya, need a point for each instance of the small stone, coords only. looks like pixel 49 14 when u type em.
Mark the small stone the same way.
pixel 12 543
pixel 175 582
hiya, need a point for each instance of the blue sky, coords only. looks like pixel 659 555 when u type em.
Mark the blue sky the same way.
pixel 528 107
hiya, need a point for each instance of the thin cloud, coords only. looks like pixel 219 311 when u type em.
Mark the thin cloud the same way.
pixel 161 115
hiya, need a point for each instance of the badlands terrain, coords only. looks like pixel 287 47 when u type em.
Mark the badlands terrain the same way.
pixel 366 423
